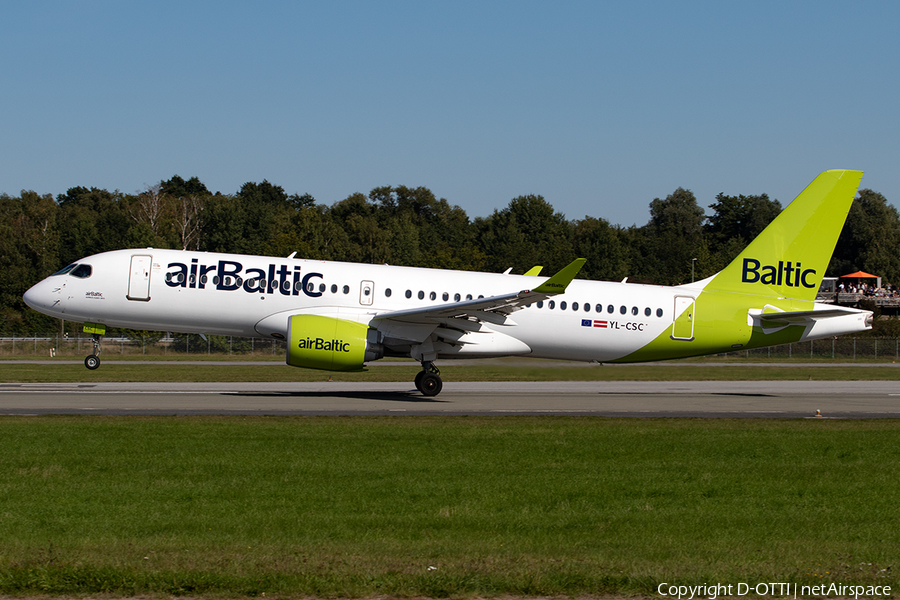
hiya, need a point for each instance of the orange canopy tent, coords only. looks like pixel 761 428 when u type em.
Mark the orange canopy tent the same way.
pixel 863 275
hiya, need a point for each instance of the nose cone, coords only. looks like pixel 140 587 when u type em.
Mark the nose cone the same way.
pixel 41 298
pixel 32 296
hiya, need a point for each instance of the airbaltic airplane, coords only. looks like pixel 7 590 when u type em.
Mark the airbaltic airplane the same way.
pixel 338 316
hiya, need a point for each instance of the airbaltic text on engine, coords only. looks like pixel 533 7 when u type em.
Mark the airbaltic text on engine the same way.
pixel 229 275
pixel 327 346
pixel 785 273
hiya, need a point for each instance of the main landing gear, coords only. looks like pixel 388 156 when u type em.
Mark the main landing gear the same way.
pixel 428 380
pixel 92 361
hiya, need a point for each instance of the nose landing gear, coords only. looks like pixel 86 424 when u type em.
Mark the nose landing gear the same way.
pixel 92 361
pixel 428 380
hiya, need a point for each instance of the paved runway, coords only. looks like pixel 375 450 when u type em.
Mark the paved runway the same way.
pixel 703 399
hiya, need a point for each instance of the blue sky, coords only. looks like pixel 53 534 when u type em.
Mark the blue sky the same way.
pixel 598 106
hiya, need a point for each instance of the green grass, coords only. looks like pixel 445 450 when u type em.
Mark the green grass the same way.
pixel 489 371
pixel 351 507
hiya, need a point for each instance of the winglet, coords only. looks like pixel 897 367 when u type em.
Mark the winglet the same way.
pixel 534 271
pixel 559 282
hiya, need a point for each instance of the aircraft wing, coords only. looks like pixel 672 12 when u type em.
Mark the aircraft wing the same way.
pixel 498 307
pixel 418 323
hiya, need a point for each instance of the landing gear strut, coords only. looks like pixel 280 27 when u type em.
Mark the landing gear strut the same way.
pixel 428 380
pixel 92 361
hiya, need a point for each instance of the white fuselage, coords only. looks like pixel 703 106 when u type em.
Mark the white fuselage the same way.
pixel 228 294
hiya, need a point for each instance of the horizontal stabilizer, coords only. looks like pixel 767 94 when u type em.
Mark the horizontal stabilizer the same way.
pixel 804 316
pixel 817 323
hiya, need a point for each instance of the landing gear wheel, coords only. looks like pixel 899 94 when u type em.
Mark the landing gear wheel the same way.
pixel 419 376
pixel 92 361
pixel 428 380
pixel 430 384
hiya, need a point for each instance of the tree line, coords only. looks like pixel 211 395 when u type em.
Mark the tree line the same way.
pixel 408 226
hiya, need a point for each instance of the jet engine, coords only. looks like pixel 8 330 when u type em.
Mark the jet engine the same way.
pixel 318 342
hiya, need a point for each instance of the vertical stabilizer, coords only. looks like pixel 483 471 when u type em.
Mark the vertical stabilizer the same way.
pixel 788 259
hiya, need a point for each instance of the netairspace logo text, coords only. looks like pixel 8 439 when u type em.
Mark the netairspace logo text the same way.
pixel 783 590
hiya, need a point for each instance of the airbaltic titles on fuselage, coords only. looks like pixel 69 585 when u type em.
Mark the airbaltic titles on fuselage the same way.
pixel 230 275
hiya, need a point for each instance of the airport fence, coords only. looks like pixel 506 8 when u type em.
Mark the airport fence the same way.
pixel 842 348
pixel 142 344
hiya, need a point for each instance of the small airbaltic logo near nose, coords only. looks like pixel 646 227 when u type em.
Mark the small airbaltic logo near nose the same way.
pixel 786 273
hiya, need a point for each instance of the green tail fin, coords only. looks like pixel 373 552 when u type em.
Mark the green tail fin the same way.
pixel 788 259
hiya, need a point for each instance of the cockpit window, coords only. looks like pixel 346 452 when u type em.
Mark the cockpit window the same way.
pixel 81 271
pixel 65 270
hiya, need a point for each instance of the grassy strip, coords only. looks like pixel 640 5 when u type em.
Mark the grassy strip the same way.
pixel 440 507
pixel 123 371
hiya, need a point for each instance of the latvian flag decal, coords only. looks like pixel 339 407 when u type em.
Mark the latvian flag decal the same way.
pixel 589 323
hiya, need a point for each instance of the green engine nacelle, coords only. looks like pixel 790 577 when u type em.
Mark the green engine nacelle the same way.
pixel 317 342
